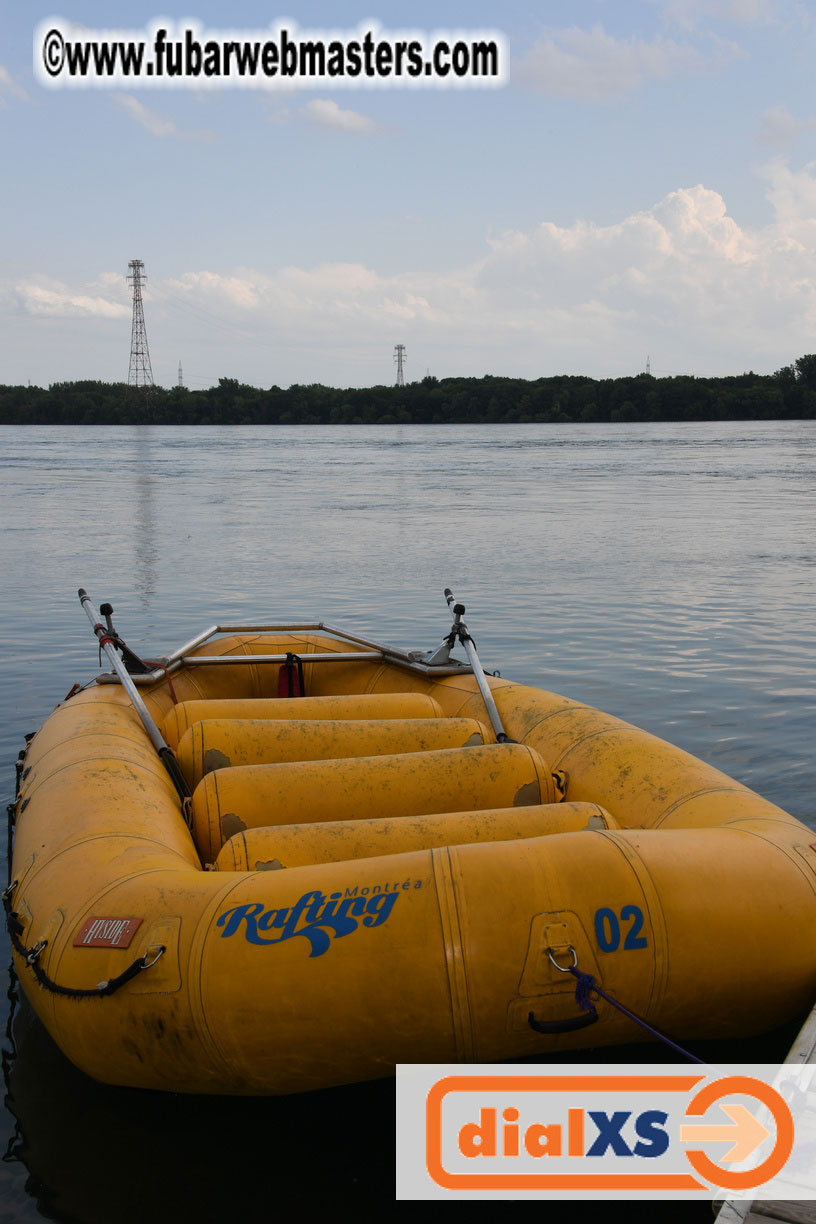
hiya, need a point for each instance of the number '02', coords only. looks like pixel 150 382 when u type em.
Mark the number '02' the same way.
pixel 608 929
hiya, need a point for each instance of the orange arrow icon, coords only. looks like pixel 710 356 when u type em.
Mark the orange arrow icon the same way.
pixel 744 1130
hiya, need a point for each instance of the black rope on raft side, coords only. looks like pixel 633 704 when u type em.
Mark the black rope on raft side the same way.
pixel 31 957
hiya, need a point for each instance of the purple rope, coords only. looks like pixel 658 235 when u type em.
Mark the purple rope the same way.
pixel 587 985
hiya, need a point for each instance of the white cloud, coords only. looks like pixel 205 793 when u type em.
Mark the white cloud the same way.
pixel 39 296
pixel 671 266
pixel 242 289
pixel 155 123
pixel 681 280
pixel 779 129
pixel 148 119
pixel 688 13
pixel 327 113
pixel 8 86
pixel 793 196
pixel 280 117
pixel 592 66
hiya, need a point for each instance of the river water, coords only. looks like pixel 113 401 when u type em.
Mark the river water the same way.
pixel 665 573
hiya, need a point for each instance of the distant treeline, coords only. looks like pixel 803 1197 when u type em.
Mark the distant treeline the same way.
pixel 790 394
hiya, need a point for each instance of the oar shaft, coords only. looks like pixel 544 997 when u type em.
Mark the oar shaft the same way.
pixel 484 688
pixel 155 735
pixel 118 666
pixel 461 631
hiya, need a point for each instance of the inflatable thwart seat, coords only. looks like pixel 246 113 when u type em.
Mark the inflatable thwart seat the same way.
pixel 366 872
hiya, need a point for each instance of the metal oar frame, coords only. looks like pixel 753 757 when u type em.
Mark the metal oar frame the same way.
pixel 130 671
pixel 418 661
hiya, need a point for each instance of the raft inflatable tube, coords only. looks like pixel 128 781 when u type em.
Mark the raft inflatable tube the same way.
pixel 322 909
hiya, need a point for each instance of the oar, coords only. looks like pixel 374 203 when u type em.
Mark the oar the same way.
pixel 459 630
pixel 165 752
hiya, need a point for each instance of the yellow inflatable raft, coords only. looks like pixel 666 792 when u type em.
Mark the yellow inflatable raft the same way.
pixel 399 862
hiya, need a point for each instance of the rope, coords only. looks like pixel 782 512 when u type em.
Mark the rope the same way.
pixel 11 813
pixel 166 671
pixel 587 985
pixel 32 955
pixel 113 639
pixel 290 676
pixel 8 1055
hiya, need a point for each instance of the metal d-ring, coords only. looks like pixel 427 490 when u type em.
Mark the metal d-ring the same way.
pixel 561 968
pixel 33 954
pixel 571 1023
pixel 160 951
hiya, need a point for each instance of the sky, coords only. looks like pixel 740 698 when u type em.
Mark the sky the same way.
pixel 641 187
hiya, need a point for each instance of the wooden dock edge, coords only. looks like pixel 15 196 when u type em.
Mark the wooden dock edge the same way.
pixel 793 1211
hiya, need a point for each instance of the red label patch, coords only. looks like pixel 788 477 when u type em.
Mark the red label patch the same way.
pixel 107 932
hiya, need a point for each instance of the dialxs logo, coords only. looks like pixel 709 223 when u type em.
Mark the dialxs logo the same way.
pixel 481 1138
pixel 648 1134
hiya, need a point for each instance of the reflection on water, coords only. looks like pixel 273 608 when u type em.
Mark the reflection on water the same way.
pixel 662 572
pixel 145 539
pixel 87 1152
pixel 100 1154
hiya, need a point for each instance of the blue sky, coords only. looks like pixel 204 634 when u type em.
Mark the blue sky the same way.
pixel 643 185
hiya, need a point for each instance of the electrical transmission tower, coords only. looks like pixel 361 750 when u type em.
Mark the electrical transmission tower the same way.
pixel 140 373
pixel 399 357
